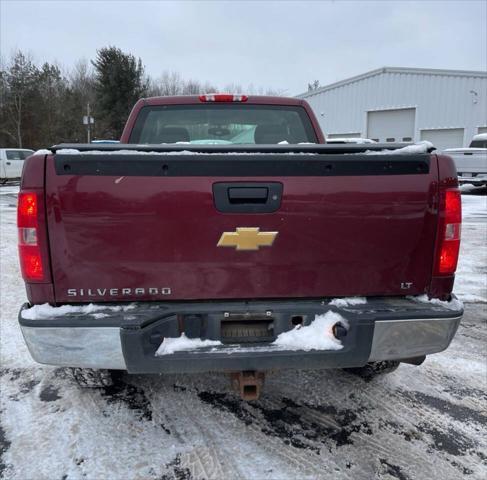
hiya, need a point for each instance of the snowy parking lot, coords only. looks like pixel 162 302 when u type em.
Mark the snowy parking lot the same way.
pixel 424 422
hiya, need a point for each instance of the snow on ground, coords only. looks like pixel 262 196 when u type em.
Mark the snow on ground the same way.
pixel 13 352
pixel 471 277
pixel 418 422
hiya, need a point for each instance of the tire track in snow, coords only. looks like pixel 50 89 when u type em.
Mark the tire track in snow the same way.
pixel 298 459
pixel 424 420
pixel 358 434
pixel 396 451
pixel 275 434
pixel 216 423
pixel 201 457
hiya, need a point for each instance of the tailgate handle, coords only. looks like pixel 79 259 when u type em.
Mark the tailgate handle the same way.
pixel 247 197
pixel 244 195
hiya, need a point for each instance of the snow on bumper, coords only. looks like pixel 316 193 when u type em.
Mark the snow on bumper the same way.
pixel 129 338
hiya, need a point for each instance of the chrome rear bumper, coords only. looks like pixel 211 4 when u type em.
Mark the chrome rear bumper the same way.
pixel 397 339
pixel 80 342
pixel 89 347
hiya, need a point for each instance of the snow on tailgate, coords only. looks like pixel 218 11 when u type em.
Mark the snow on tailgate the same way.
pixel 420 147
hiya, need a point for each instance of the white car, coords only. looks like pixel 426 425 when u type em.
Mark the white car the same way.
pixel 471 162
pixel 12 162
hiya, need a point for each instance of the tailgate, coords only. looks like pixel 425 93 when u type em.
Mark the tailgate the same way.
pixel 470 162
pixel 174 227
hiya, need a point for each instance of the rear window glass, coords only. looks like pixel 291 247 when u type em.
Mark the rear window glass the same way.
pixel 18 154
pixel 223 124
pixel 478 144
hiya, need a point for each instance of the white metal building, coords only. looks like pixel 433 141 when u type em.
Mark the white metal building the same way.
pixel 446 107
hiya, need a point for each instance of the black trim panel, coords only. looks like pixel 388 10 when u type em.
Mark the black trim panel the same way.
pixel 235 165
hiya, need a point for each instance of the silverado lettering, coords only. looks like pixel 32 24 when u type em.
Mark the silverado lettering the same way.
pixel 102 292
pixel 302 225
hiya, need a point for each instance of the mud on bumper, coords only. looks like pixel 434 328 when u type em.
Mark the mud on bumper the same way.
pixel 128 337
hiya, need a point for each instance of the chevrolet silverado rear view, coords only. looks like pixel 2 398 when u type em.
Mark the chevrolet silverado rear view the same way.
pixel 224 234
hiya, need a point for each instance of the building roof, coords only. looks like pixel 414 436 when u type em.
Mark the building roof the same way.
pixel 378 71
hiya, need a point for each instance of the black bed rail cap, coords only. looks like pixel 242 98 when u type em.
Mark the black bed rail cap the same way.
pixel 250 148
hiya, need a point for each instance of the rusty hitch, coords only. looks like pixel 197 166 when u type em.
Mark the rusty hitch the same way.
pixel 248 384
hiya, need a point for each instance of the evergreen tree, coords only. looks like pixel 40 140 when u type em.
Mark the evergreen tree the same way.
pixel 50 113
pixel 119 84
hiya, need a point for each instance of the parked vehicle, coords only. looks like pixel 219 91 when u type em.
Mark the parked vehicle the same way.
pixel 12 162
pixel 155 257
pixel 471 162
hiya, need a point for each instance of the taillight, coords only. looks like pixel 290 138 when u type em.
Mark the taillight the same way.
pixel 28 228
pixel 223 97
pixel 449 231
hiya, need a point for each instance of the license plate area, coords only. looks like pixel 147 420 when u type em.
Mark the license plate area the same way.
pixel 245 330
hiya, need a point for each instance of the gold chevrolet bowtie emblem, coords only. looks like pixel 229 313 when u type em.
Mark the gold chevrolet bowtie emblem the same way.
pixel 247 238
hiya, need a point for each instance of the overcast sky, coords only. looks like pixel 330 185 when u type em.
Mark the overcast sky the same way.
pixel 281 45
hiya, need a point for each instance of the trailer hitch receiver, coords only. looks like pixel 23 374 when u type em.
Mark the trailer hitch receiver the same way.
pixel 248 384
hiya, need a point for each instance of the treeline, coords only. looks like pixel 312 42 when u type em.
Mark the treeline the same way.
pixel 41 105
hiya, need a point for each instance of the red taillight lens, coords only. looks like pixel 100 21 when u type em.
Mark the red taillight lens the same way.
pixel 29 249
pixel 449 231
pixel 31 262
pixel 27 210
pixel 223 97
pixel 453 206
pixel 449 256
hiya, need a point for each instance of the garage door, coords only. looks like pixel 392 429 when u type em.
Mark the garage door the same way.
pixel 343 135
pixel 391 125
pixel 443 138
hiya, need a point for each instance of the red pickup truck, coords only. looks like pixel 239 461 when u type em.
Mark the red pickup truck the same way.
pixel 224 234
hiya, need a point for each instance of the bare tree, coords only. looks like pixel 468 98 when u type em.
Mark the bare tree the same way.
pixel 172 83
pixel 82 79
pixel 18 82
pixel 313 85
pixel 80 93
pixel 191 87
pixel 233 88
pixel 169 83
pixel 208 87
